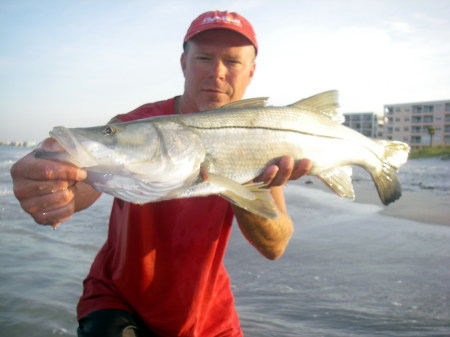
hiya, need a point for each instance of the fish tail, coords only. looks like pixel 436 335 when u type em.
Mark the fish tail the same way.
pixel 386 180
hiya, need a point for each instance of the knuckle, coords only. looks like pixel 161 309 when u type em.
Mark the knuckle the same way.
pixel 13 170
pixel 40 218
pixel 51 172
pixel 66 196
pixel 18 192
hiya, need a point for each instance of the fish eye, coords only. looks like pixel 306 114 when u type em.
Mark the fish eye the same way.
pixel 109 130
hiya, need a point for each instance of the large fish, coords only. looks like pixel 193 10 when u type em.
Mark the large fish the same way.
pixel 219 151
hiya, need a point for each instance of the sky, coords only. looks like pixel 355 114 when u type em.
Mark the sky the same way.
pixel 78 63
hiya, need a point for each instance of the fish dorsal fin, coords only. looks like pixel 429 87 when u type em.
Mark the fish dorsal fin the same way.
pixel 324 103
pixel 258 102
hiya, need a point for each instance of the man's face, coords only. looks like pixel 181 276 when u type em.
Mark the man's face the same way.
pixel 218 65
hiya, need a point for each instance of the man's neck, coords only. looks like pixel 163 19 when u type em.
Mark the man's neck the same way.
pixel 182 106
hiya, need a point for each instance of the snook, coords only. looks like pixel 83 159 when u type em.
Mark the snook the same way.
pixel 218 151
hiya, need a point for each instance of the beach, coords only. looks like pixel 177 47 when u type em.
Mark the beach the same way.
pixel 352 268
pixel 422 205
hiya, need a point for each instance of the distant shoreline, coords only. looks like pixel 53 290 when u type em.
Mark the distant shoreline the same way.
pixel 25 144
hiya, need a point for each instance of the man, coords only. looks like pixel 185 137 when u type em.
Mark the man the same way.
pixel 160 272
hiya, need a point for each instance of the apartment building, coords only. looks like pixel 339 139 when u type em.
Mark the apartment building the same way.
pixel 365 122
pixel 411 123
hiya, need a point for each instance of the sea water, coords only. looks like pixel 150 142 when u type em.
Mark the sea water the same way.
pixel 348 270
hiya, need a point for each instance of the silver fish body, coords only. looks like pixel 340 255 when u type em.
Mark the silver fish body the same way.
pixel 218 151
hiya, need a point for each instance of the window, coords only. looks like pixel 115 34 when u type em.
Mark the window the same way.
pixel 428 108
pixel 416 140
pixel 417 109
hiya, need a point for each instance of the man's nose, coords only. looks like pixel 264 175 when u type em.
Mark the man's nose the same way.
pixel 218 70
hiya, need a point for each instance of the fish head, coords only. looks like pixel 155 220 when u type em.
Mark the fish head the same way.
pixel 109 145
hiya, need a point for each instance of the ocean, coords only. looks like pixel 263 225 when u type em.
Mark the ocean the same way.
pixel 348 271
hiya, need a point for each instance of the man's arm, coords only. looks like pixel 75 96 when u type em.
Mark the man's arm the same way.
pixel 51 192
pixel 269 236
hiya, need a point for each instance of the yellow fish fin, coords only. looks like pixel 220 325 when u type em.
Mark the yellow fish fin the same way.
pixel 263 204
pixel 324 103
pixel 339 180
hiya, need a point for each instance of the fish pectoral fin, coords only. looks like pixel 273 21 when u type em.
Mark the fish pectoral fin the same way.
pixel 263 204
pixel 230 185
pixel 339 179
pixel 255 197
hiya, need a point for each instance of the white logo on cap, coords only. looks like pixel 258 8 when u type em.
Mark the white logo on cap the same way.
pixel 224 19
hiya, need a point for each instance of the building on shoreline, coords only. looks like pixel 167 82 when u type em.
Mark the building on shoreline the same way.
pixel 17 143
pixel 367 123
pixel 420 124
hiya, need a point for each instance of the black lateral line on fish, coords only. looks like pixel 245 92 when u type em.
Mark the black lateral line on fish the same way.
pixel 266 128
pixel 260 127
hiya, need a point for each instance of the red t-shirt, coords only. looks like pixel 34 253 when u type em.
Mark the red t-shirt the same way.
pixel 164 262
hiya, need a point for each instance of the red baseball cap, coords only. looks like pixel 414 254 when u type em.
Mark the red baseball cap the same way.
pixel 222 20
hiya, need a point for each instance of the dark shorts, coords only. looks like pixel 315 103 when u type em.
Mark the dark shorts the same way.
pixel 112 323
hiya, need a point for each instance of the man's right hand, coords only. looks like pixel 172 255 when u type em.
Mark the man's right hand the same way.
pixel 47 189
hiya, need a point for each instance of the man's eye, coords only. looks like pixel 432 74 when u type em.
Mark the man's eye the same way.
pixel 234 62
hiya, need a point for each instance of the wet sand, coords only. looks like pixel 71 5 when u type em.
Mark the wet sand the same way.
pixel 421 205
pixel 426 206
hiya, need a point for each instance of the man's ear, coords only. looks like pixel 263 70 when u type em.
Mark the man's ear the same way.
pixel 252 71
pixel 183 63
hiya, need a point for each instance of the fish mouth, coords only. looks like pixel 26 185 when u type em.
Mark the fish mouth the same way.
pixel 70 142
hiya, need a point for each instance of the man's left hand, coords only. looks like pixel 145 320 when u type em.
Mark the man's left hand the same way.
pixel 287 169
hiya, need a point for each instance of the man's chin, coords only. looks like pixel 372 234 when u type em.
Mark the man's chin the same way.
pixel 211 105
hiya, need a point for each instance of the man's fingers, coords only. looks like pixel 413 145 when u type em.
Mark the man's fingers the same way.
pixel 267 176
pixel 24 189
pixel 54 217
pixel 285 167
pixel 51 209
pixel 30 168
pixel 48 202
pixel 301 168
